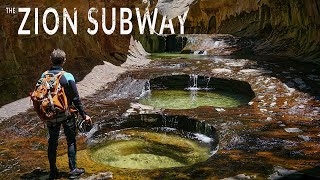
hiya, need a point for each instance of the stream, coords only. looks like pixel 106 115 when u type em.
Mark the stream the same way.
pixel 187 116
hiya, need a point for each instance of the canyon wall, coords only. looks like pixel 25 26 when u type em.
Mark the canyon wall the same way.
pixel 24 57
pixel 289 28
pixel 280 27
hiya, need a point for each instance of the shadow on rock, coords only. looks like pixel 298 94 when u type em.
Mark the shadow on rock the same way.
pixel 40 174
pixel 284 174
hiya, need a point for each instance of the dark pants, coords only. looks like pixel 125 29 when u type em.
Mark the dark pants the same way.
pixel 69 127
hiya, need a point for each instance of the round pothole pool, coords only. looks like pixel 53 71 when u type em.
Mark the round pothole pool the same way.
pixel 189 99
pixel 188 92
pixel 153 142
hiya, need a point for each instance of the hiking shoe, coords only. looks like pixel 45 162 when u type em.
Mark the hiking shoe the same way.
pixel 54 174
pixel 76 173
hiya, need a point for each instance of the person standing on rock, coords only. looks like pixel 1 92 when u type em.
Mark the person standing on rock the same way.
pixel 58 58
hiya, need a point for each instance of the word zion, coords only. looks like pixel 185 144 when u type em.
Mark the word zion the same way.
pixel 126 24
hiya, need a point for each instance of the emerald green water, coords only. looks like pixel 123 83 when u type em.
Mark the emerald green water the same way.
pixel 158 56
pixel 150 150
pixel 183 99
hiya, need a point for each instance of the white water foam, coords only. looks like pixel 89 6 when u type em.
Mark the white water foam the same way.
pixel 193 88
pixel 203 138
pixel 146 90
pixel 213 152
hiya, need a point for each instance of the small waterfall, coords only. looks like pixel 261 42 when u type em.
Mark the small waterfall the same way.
pixel 147 86
pixel 146 89
pixel 200 53
pixel 193 82
pixel 196 52
pixel 207 85
pixel 193 88
pixel 218 44
pixel 164 119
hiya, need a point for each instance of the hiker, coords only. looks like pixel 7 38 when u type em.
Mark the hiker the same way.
pixel 67 120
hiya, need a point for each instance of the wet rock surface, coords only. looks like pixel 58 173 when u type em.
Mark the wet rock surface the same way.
pixel 95 80
pixel 275 136
pixel 279 127
pixel 215 44
pixel 136 56
pixel 24 58
pixel 100 176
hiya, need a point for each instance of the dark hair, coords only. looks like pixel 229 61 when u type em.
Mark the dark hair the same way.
pixel 57 56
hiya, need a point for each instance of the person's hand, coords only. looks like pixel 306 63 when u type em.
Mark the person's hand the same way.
pixel 88 119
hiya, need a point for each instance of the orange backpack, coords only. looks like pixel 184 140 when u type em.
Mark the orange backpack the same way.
pixel 48 97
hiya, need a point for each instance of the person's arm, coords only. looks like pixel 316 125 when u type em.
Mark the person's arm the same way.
pixel 75 95
pixel 76 99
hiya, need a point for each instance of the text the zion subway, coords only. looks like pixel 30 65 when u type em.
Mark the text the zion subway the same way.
pixel 125 22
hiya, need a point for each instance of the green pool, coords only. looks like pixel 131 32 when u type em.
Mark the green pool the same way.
pixel 185 99
pixel 159 56
pixel 143 149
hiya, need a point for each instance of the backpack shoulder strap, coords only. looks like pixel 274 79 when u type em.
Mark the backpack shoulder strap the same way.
pixel 60 74
pixel 45 73
pixel 57 80
pixel 58 77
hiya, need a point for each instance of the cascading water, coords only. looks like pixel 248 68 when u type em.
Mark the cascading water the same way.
pixel 218 44
pixel 193 88
pixel 200 53
pixel 213 44
pixel 193 82
pixel 207 86
pixel 194 85
pixel 146 90
pixel 197 92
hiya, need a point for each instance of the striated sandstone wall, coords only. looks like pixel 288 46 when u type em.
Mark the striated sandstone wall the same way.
pixel 279 27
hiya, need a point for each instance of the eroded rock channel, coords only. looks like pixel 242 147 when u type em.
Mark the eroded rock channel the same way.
pixel 207 114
